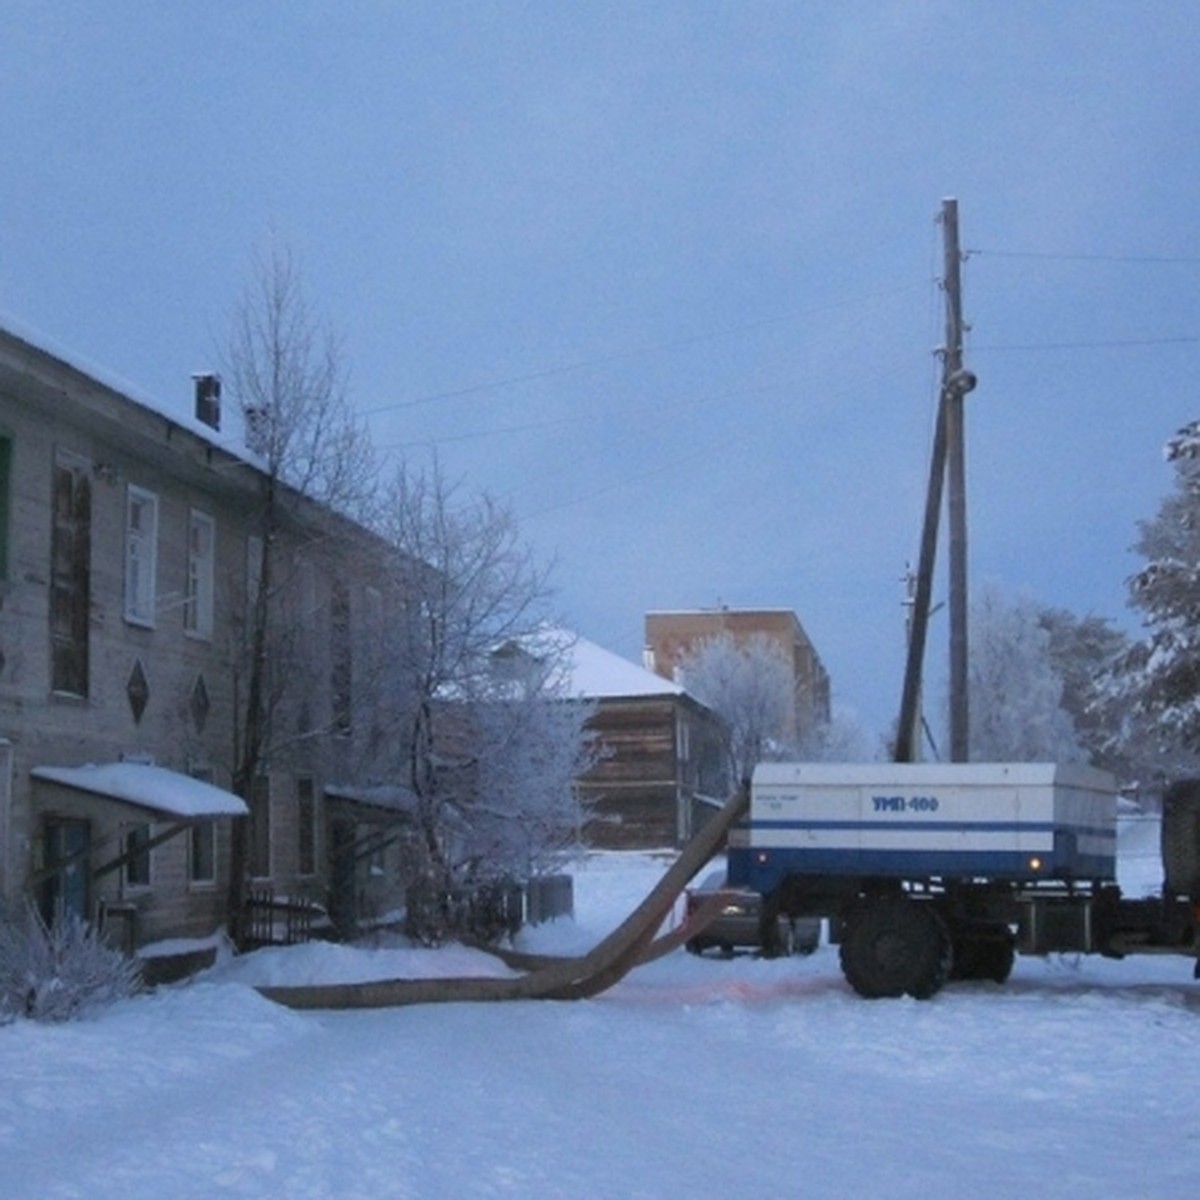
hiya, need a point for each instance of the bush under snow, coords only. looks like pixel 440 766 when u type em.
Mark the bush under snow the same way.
pixel 56 973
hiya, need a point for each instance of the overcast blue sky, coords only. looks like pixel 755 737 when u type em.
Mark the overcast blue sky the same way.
pixel 660 275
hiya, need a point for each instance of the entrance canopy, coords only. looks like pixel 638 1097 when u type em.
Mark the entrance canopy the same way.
pixel 157 789
pixel 390 798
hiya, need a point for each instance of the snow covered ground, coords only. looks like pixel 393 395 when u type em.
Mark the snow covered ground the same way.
pixel 692 1078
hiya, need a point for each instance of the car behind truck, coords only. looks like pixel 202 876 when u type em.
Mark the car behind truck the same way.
pixel 932 871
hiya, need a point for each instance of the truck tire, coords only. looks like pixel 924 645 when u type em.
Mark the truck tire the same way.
pixel 895 947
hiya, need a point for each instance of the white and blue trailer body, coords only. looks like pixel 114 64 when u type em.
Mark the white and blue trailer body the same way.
pixel 1019 822
pixel 936 871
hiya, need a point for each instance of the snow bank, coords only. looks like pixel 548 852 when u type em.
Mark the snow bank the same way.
pixel 712 1079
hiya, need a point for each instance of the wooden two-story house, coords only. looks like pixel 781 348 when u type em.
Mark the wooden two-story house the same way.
pixel 656 776
pixel 130 555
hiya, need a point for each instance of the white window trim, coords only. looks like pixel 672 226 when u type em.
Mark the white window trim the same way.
pixel 129 887
pixel 141 558
pixel 201 571
pixel 206 829
pixel 270 834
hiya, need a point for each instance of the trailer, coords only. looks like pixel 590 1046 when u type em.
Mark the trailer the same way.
pixel 935 871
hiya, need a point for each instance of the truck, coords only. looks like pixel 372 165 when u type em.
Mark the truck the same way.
pixel 933 871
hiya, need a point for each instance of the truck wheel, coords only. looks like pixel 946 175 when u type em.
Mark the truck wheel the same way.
pixel 894 947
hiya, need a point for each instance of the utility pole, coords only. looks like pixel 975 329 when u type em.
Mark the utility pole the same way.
pixel 946 467
pixel 954 381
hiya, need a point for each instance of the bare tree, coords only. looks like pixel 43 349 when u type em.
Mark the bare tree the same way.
pixel 286 373
pixel 749 683
pixel 489 743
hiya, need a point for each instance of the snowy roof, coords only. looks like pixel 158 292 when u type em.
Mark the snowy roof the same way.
pixel 231 439
pixel 596 673
pixel 589 672
pixel 155 788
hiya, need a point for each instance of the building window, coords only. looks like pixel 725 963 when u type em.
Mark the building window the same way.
pixel 340 658
pixel 254 573
pixel 70 574
pixel 137 866
pixel 198 605
pixel 202 853
pixel 5 502
pixel 202 841
pixel 260 828
pixel 306 825
pixel 141 552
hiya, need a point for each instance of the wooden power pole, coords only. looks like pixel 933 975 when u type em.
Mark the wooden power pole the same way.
pixel 946 467
pixel 955 385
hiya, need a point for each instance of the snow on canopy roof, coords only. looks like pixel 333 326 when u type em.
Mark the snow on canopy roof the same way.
pixel 389 796
pixel 155 788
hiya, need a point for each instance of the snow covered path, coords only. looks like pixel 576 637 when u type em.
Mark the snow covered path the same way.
pixel 699 1078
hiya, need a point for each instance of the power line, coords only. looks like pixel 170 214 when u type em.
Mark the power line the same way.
pixel 1112 343
pixel 619 356
pixel 1153 259
pixel 583 417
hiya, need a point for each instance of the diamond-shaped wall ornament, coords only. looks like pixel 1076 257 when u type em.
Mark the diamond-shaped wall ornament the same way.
pixel 200 704
pixel 137 689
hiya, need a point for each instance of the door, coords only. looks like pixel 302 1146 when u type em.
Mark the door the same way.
pixel 66 893
pixel 343 909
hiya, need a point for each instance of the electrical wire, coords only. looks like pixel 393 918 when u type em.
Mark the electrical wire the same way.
pixel 1056 256
pixel 1111 343
pixel 623 355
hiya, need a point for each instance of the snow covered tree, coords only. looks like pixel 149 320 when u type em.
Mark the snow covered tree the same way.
pixel 531 745
pixel 489 742
pixel 1157 683
pixel 840 739
pixel 750 684
pixel 1084 651
pixel 1015 690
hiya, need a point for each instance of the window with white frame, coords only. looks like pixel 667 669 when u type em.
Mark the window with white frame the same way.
pixel 137 862
pixel 259 834
pixel 198 605
pixel 202 842
pixel 254 570
pixel 141 553
pixel 202 853
pixel 306 825
pixel 70 572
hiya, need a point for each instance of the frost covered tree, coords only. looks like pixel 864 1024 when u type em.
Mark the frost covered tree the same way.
pixel 1156 685
pixel 750 684
pixel 1014 689
pixel 840 739
pixel 489 741
pixel 530 745
pixel 1084 652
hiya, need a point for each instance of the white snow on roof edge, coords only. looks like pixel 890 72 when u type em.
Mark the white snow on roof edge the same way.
pixel 155 788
